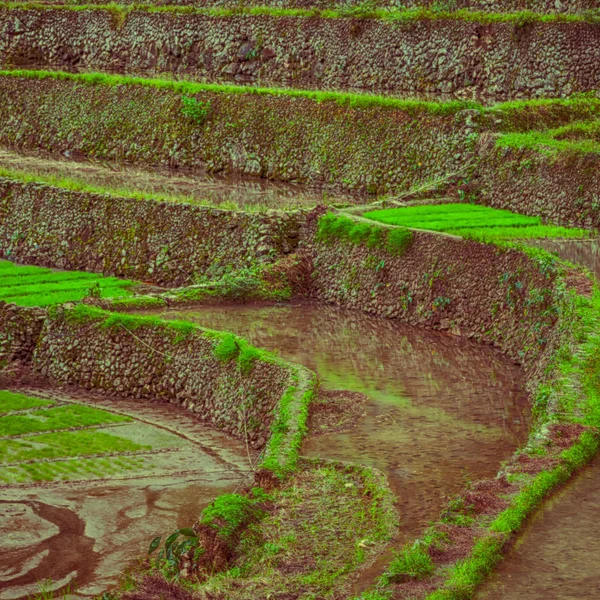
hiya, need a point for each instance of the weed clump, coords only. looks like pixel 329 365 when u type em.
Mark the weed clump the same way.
pixel 194 109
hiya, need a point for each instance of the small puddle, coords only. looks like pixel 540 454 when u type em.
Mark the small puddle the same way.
pixel 251 193
pixel 554 556
pixel 84 533
pixel 441 410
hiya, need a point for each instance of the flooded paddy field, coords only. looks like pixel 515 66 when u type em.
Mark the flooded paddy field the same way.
pixel 435 411
pixel 87 482
pixel 249 193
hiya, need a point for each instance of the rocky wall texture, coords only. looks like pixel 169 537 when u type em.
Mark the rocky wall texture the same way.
pixel 561 187
pixel 20 330
pixel 498 6
pixel 496 61
pixel 156 361
pixel 164 243
pixel 492 294
pixel 275 136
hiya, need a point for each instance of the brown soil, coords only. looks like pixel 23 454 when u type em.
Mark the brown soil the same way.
pixel 486 497
pixel 564 435
pixel 336 411
pixel 154 587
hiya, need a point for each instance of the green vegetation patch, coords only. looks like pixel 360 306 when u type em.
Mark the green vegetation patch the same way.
pixel 80 468
pixel 581 137
pixel 298 542
pixel 10 401
pixel 363 10
pixel 38 286
pixel 189 88
pixel 473 222
pixel 65 444
pixel 332 227
pixel 60 417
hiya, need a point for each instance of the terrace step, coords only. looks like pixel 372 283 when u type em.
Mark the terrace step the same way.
pixel 362 7
pixel 437 55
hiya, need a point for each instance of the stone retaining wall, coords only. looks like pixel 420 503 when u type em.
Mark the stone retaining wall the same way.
pixel 562 188
pixel 495 61
pixel 492 294
pixel 276 136
pixel 20 329
pixel 160 242
pixel 138 358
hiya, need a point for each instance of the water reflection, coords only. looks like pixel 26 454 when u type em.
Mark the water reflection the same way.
pixel 184 185
pixel 440 409
pixel 582 252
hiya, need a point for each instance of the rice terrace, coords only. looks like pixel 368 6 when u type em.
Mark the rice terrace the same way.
pixel 299 299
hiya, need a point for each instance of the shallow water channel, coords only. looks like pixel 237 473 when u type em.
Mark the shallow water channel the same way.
pixel 440 410
pixel 557 554
pixel 82 534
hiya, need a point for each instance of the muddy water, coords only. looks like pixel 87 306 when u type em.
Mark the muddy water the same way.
pixel 84 533
pixel 557 555
pixel 184 186
pixel 440 410
pixel 582 252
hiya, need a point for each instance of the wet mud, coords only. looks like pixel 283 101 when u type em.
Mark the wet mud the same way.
pixel 83 533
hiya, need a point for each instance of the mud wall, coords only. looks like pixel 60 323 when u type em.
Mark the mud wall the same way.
pixel 497 61
pixel 20 329
pixel 275 136
pixel 563 187
pixel 150 359
pixel 492 294
pixel 160 242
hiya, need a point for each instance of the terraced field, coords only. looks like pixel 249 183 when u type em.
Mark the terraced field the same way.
pixel 37 286
pixel 410 193
pixel 474 222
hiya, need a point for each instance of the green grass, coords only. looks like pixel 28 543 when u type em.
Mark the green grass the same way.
pixel 14 401
pixel 364 11
pixel 38 286
pixel 333 227
pixel 581 137
pixel 65 444
pixel 473 221
pixel 349 99
pixel 61 417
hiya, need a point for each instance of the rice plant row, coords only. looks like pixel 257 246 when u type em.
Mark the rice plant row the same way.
pixel 40 286
pixel 473 221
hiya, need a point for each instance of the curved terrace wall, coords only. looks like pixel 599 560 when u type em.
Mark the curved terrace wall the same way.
pixel 165 243
pixel 358 143
pixel 488 292
pixel 492 60
pixel 216 376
